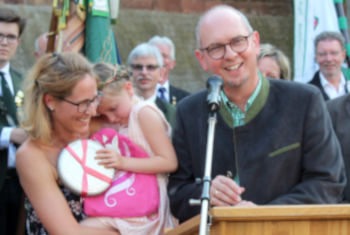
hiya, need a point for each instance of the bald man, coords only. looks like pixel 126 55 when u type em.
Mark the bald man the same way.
pixel 40 46
pixel 274 142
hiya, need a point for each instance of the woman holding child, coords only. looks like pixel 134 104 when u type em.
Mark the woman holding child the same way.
pixel 62 89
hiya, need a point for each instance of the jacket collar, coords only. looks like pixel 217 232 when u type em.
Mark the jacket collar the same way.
pixel 256 107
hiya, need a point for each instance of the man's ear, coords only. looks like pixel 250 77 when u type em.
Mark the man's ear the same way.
pixel 129 89
pixel 344 55
pixel 200 57
pixel 172 64
pixel 36 55
pixel 256 40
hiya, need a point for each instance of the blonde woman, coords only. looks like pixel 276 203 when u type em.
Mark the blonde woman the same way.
pixel 273 63
pixel 60 98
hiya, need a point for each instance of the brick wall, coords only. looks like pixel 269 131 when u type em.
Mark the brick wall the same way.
pixel 250 7
pixel 137 26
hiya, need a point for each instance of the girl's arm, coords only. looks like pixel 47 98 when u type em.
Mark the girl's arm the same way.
pixel 38 179
pixel 154 131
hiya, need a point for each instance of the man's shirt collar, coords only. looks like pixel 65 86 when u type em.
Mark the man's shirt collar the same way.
pixel 6 69
pixel 325 82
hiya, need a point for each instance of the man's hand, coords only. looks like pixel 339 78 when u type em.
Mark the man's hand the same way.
pixel 225 192
pixel 18 136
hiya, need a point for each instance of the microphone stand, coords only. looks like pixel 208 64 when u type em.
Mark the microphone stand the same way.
pixel 205 198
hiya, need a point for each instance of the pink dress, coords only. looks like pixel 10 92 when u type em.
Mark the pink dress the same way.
pixel 151 225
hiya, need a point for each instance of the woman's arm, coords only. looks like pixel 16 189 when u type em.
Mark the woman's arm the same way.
pixel 38 180
pixel 154 131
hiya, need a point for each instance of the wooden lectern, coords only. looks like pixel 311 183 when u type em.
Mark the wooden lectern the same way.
pixel 273 220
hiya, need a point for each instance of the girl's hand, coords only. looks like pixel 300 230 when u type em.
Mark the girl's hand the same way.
pixel 110 158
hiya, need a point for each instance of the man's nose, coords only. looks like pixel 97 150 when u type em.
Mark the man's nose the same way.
pixel 4 41
pixel 329 56
pixel 144 70
pixel 229 52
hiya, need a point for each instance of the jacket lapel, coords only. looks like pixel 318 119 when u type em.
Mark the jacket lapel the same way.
pixel 347 107
pixel 161 105
pixel 16 81
pixel 317 82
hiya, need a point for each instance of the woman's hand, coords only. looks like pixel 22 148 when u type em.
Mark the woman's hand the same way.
pixel 110 159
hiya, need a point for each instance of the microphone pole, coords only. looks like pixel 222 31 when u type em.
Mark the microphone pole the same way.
pixel 214 86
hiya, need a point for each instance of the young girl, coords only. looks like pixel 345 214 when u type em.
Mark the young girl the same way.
pixel 144 124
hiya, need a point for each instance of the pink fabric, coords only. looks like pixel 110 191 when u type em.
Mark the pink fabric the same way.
pixel 143 225
pixel 130 194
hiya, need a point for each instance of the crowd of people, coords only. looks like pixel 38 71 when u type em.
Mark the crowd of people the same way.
pixel 276 141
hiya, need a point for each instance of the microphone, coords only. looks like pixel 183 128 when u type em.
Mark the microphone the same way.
pixel 214 86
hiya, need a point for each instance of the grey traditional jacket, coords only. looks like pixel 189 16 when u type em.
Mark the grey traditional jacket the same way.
pixel 339 110
pixel 286 153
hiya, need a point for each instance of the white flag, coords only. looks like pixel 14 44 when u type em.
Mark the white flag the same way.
pixel 311 18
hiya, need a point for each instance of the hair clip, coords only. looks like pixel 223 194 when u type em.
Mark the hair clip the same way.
pixel 36 82
pixel 54 54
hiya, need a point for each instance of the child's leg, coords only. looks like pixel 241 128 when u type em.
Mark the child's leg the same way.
pixel 99 222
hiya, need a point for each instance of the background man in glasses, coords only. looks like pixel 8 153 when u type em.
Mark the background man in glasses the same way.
pixel 330 54
pixel 274 142
pixel 146 64
pixel 165 90
pixel 11 28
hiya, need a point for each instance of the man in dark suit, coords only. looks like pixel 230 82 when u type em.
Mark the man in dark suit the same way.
pixel 339 110
pixel 146 64
pixel 165 90
pixel 331 79
pixel 273 142
pixel 11 28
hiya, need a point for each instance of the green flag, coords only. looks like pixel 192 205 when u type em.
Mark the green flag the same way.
pixel 99 37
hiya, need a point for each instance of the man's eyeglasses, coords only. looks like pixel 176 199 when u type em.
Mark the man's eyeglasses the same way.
pixel 218 50
pixel 11 39
pixel 149 67
pixel 322 54
pixel 83 106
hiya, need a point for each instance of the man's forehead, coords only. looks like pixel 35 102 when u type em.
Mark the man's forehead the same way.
pixel 146 58
pixel 9 28
pixel 329 43
pixel 220 29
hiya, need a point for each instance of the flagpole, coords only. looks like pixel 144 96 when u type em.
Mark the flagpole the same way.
pixel 52 33
pixel 343 26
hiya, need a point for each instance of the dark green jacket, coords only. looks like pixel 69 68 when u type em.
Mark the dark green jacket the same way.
pixel 16 80
pixel 286 153
pixel 168 110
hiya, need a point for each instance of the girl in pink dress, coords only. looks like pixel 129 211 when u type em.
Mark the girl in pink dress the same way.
pixel 144 124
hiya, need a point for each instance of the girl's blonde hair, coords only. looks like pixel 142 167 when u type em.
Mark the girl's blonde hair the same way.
pixel 281 59
pixel 56 75
pixel 107 78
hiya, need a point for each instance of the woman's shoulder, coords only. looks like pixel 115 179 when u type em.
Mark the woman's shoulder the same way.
pixel 31 157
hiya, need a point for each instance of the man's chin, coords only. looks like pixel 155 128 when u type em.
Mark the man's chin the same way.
pixel 237 83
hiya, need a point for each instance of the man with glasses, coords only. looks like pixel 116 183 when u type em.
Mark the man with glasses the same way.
pixel 330 54
pixel 165 90
pixel 273 142
pixel 146 64
pixel 11 28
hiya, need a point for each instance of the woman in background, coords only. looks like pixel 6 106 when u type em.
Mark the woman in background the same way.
pixel 273 63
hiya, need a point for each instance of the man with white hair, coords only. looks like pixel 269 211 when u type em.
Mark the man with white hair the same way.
pixel 165 90
pixel 40 46
pixel 274 141
pixel 146 64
